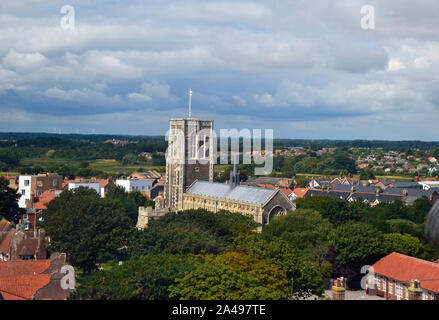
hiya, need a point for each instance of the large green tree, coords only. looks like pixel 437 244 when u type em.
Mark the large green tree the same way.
pixel 8 202
pixel 191 231
pixel 358 244
pixel 88 228
pixel 306 278
pixel 144 278
pixel 231 276
pixel 305 230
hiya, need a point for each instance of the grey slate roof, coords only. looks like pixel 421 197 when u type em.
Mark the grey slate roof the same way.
pixel 410 192
pixel 407 184
pixel 345 187
pixel 224 191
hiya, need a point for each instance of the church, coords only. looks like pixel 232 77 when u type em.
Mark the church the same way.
pixel 189 179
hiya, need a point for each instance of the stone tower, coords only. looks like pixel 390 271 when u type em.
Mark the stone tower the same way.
pixel 190 157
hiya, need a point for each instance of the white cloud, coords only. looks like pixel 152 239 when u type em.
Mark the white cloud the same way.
pixel 24 62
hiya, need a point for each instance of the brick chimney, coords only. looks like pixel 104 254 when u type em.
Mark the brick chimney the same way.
pixel 415 290
pixel 338 289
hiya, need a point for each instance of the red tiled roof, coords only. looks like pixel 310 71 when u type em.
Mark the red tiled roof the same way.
pixel 428 179
pixel 22 287
pixel 5 241
pixel 23 267
pixel 300 192
pixel 44 199
pixel 286 191
pixel 266 186
pixel 404 268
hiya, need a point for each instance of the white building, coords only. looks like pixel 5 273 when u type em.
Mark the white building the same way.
pixel 427 185
pixel 95 185
pixel 24 188
pixel 134 184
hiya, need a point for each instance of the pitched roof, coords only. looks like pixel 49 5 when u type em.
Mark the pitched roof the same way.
pixel 346 187
pixel 23 267
pixel 45 198
pixel 22 287
pixel 224 191
pixel 5 240
pixel 300 192
pixel 404 268
pixel 410 192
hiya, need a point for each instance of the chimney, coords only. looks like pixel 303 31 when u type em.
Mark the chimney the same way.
pixel 415 290
pixel 339 289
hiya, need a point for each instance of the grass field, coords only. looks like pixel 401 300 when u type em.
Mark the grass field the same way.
pixel 109 166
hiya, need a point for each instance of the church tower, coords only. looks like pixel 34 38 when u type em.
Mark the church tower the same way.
pixel 190 157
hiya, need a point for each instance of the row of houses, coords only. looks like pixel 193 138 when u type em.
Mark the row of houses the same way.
pixel 36 191
pixel 375 192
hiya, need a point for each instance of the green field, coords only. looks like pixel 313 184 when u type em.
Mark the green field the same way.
pixel 109 166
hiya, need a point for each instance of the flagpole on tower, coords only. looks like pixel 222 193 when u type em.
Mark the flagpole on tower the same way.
pixel 190 101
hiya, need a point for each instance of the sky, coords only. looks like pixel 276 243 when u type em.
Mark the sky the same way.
pixel 306 69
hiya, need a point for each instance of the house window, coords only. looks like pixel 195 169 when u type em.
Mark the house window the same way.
pixel 26 182
pixel 406 293
pixel 23 192
pixel 384 284
pixel 424 295
pixel 391 286
pixel 25 216
pixel 398 289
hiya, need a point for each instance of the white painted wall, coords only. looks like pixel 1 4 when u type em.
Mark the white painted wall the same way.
pixel 134 184
pixel 24 189
pixel 95 185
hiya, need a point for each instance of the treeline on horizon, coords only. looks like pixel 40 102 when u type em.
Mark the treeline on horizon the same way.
pixel 41 139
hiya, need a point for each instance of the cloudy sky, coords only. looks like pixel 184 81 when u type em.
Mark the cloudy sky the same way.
pixel 307 69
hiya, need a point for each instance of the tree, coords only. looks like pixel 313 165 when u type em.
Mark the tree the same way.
pixel 88 228
pixel 337 211
pixel 144 278
pixel 128 202
pixel 358 244
pixel 10 157
pixel 305 277
pixel 300 181
pixel 130 159
pixel 231 276
pixel 9 208
pixel 402 243
pixel 191 231
pixel 366 174
pixel 305 230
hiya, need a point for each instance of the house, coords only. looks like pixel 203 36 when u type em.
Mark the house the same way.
pixel 30 186
pixel 22 245
pixel 131 185
pixel 319 183
pixel 33 279
pixel 285 190
pixel 95 185
pixel 401 277
pixel 298 193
